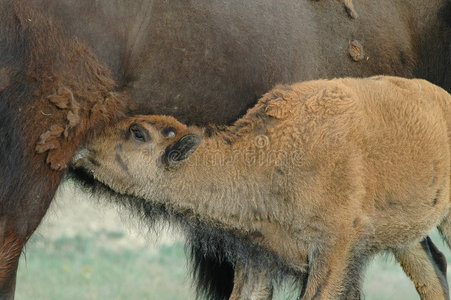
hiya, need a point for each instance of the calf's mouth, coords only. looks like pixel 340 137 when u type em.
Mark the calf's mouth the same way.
pixel 85 159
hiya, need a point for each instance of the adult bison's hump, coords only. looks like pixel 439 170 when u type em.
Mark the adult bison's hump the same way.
pixel 209 60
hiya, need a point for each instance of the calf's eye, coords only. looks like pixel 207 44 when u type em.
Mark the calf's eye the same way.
pixel 139 133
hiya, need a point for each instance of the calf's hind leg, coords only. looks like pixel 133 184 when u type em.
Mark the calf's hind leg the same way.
pixel 426 267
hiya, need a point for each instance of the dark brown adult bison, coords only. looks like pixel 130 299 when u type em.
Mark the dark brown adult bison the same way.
pixel 66 67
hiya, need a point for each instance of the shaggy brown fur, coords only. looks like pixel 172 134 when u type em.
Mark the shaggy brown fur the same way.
pixel 54 96
pixel 324 174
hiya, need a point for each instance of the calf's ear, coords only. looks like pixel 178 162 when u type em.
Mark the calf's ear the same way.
pixel 181 150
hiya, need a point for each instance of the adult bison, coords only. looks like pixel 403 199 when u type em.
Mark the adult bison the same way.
pixel 201 61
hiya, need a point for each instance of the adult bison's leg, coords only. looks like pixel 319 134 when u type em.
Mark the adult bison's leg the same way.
pixel 25 195
pixel 426 266
pixel 16 227
pixel 12 242
pixel 11 245
pixel 10 249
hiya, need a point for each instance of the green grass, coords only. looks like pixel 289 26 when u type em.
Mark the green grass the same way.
pixel 85 268
pixel 80 268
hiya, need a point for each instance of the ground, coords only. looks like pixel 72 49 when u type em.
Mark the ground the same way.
pixel 88 249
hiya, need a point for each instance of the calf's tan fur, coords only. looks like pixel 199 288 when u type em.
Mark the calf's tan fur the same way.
pixel 324 174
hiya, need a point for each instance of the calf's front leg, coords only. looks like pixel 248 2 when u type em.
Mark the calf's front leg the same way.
pixel 250 283
pixel 332 270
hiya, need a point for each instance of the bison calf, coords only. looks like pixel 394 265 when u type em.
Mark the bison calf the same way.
pixel 324 174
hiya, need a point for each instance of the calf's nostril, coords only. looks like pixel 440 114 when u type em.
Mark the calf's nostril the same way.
pixel 79 156
pixel 84 157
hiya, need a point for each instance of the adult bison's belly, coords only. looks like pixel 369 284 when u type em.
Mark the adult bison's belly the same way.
pixel 208 61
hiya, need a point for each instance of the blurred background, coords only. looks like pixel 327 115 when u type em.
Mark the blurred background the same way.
pixel 88 249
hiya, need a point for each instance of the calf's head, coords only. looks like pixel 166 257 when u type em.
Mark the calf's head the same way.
pixel 138 151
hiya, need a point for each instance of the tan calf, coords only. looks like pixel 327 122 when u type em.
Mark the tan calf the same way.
pixel 324 174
